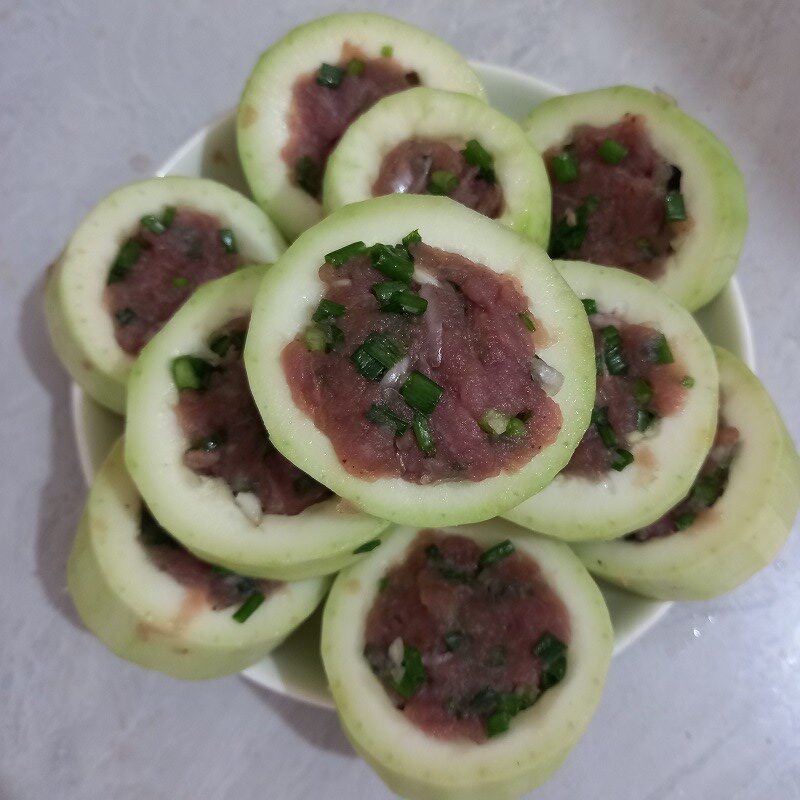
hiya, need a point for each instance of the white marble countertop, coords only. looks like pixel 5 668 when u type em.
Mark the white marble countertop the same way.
pixel 94 94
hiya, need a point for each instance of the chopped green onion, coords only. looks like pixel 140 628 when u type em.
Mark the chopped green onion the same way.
pixel 622 458
pixel 308 175
pixel 644 419
pixel 341 256
pixel 378 354
pixel 497 723
pixel 553 654
pixel 604 429
pixel 387 51
pixel 384 291
pixel 684 521
pixel 599 365
pixel 494 422
pixel 516 427
pixel 180 282
pixel 411 238
pixel 612 351
pixel 327 309
pixel 421 393
pixel 475 154
pixel 248 608
pixel 329 75
pixel 589 306
pixel 422 433
pixel 314 338
pixel 674 207
pixel 383 415
pixel 153 224
pixel 567 237
pixel 442 182
pixel 688 381
pixel 228 240
pixel 222 343
pixel 453 640
pixel 708 488
pixel 405 302
pixel 125 316
pixel 191 372
pixel 128 255
pixel 168 217
pixel 367 546
pixel 394 262
pixel 659 350
pixel 527 320
pixel 334 337
pixel 565 167
pixel 383 584
pixel 612 151
pixel 646 248
pixel 642 392
pixel 355 67
pixel 414 674
pixel 496 553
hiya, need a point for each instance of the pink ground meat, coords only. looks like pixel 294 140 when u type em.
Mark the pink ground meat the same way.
pixel 475 628
pixel 627 227
pixel 169 267
pixel 617 394
pixel 407 168
pixel 708 487
pixel 319 114
pixel 470 340
pixel 229 441
pixel 222 588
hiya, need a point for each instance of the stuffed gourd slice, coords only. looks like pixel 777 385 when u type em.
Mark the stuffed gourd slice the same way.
pixel 309 86
pixel 199 453
pixel 134 260
pixel 466 662
pixel 152 602
pixel 427 141
pixel 638 184
pixel 654 414
pixel 737 515
pixel 437 374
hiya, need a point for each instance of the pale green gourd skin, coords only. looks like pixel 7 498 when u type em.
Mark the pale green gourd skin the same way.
pixel 262 120
pixel 712 184
pixel 436 115
pixel 418 766
pixel 578 509
pixel 742 532
pixel 138 612
pixel 291 291
pixel 80 326
pixel 200 511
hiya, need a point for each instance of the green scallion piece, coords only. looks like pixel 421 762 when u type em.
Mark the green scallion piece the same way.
pixel 308 175
pixel 642 392
pixel 341 256
pixel 378 354
pixel 228 240
pixel 565 167
pixel 414 675
pixel 355 67
pixel 387 51
pixel 367 546
pixel 421 393
pixel 248 608
pixel 687 382
pixel 405 302
pixel 423 434
pixel 589 305
pixel 475 154
pixel 612 351
pixel 220 345
pixel 180 282
pixel 496 553
pixel 383 415
pixel 153 224
pixel 327 309
pixel 674 207
pixel 659 350
pixel 644 419
pixel 125 316
pixel 552 653
pixel 314 338
pixel 622 458
pixel 383 584
pixel 604 429
pixel 442 182
pixel 612 151
pixel 684 521
pixel 494 422
pixel 527 320
pixel 394 262
pixel 516 427
pixel 128 255
pixel 168 217
pixel 411 238
pixel 383 291
pixel 329 75
pixel 191 372
pixel 497 723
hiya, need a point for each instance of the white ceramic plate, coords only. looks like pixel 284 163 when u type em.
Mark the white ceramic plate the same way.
pixel 295 669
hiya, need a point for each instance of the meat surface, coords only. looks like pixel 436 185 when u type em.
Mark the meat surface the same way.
pixel 229 441
pixel 407 168
pixel 470 340
pixel 614 213
pixel 169 267
pixel 476 629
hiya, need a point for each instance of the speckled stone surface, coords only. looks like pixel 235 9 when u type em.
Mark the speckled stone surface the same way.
pixel 94 94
